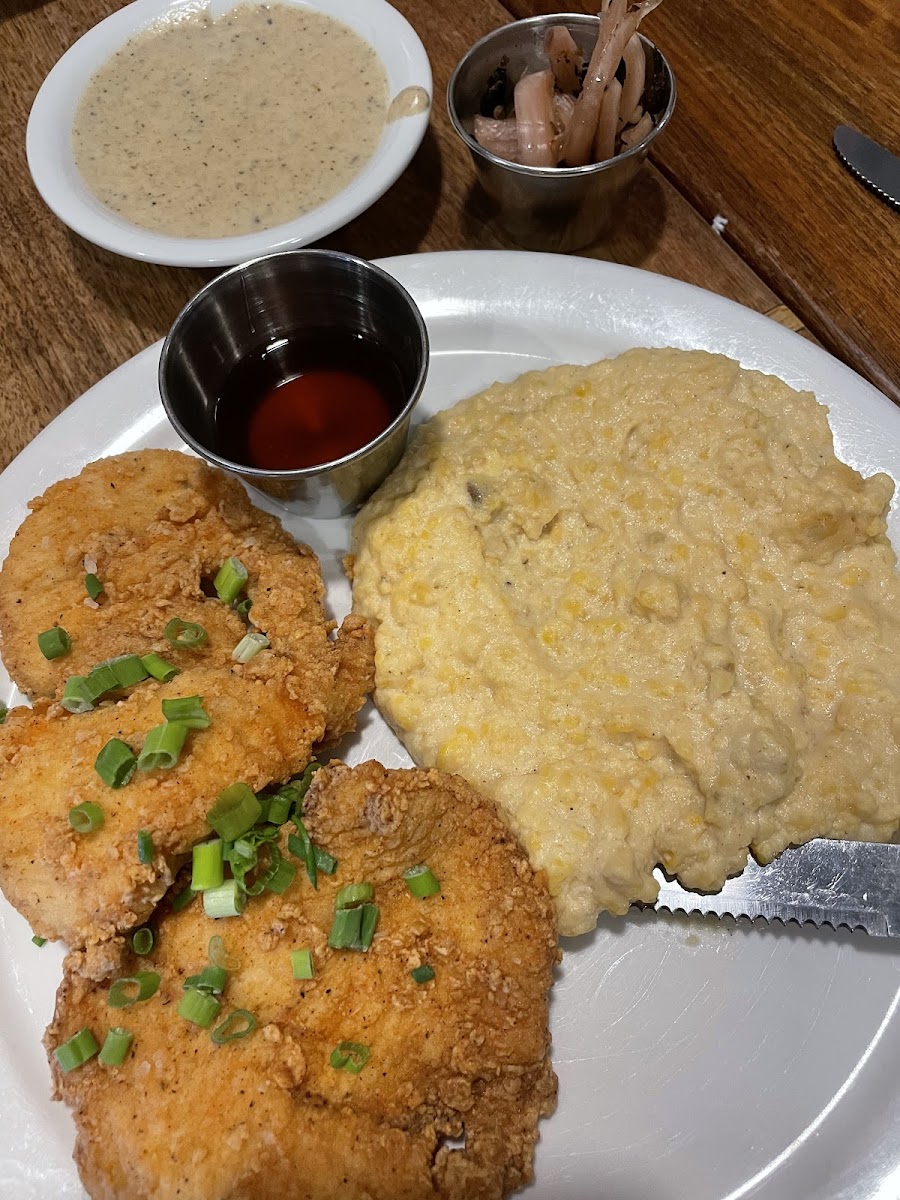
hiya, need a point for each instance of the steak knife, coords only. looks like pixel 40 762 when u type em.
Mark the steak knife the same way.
pixel 825 882
pixel 869 162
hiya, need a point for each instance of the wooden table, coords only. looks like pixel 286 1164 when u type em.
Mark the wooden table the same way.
pixel 71 312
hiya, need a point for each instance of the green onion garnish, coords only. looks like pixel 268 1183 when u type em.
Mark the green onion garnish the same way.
pixel 302 964
pixel 302 784
pixel 325 862
pixel 86 817
pixel 116 763
pixel 183 899
pixel 200 1008
pixel 39 941
pixel 300 845
pixel 100 680
pixel 282 879
pixel 184 634
pixel 145 847
pixel 422 974
pixel 352 894
pixel 142 941
pixel 54 643
pixel 115 1047
pixel 162 746
pixel 159 668
pixel 421 881
pixel 211 979
pixel 93 586
pixel 77 696
pixel 216 951
pixel 249 646
pixel 186 710
pixel 369 914
pixel 77 1050
pixel 235 811
pixel 349 1056
pixel 237 1025
pixel 128 669
pixel 244 607
pixel 230 580
pixel 281 803
pixel 345 928
pixel 226 900
pixel 207 866
pixel 133 989
pixel 4 713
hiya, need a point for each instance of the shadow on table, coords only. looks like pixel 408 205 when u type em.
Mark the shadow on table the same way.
pixel 15 8
pixel 631 239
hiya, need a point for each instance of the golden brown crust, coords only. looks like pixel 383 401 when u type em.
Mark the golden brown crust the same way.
pixel 268 1116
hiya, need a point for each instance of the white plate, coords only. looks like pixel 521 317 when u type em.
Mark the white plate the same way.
pixel 696 1060
pixel 52 165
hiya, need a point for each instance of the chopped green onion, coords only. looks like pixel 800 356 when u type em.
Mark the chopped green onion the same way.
pixel 302 964
pixel 423 974
pixel 236 810
pixel 144 847
pixel 302 784
pixel 54 643
pixel 77 1050
pixel 142 941
pixel 345 929
pixel 230 579
pixel 133 989
pixel 115 1047
pixel 100 680
pixel 216 951
pixel 183 899
pixel 210 979
pixel 283 878
pixel 207 866
pixel 4 713
pixel 162 746
pixel 184 634
pixel 128 669
pixel 227 900
pixel 159 668
pixel 93 586
pixel 249 646
pixel 369 914
pixel 244 607
pixel 186 710
pixel 352 894
pixel 78 696
pixel 281 803
pixel 116 763
pixel 39 941
pixel 421 881
pixel 325 862
pixel 300 845
pixel 200 1008
pixel 86 817
pixel 231 1029
pixel 349 1056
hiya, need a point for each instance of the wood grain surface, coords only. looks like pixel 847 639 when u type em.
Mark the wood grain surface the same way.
pixel 70 312
pixel 761 87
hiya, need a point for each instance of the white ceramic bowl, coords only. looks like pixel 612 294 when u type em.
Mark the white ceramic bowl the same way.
pixel 52 166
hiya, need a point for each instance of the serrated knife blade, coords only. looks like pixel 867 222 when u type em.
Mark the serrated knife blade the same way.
pixel 825 882
pixel 869 162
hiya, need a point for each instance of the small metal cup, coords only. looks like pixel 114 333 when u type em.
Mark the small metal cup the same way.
pixel 551 208
pixel 282 295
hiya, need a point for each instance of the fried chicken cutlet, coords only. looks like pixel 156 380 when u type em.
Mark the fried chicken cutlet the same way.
pixel 155 526
pixel 268 1117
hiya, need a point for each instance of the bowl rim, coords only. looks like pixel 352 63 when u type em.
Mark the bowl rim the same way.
pixel 297 473
pixel 548 19
pixel 53 170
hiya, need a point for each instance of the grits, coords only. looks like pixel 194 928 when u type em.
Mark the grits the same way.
pixel 643 607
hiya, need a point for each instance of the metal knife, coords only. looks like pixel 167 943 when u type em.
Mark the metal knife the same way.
pixel 836 883
pixel 868 161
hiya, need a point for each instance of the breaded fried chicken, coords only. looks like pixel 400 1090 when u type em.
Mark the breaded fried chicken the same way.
pixel 268 1117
